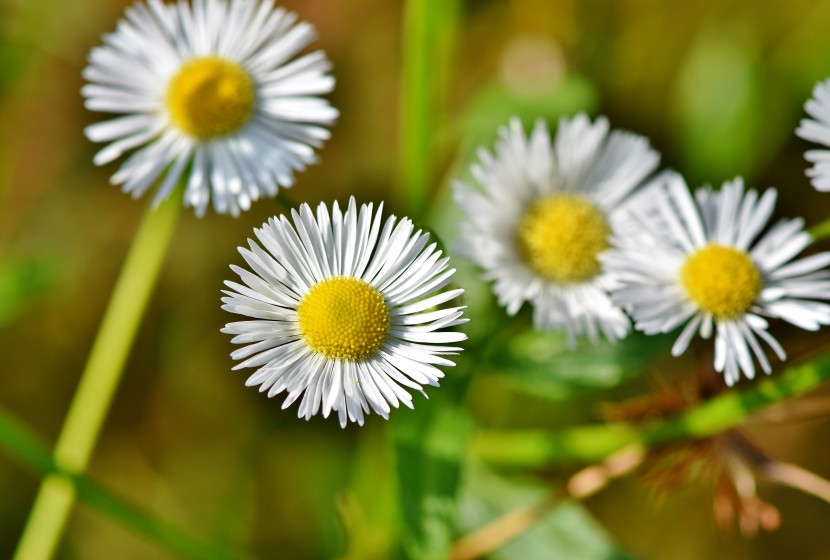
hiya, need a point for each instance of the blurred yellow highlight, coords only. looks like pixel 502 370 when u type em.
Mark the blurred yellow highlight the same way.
pixel 722 280
pixel 210 97
pixel 560 237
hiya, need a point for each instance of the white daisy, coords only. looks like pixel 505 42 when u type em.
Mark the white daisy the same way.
pixel 209 91
pixel 545 212
pixel 345 312
pixel 700 261
pixel 818 130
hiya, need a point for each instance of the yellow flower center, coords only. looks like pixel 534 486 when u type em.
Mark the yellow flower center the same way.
pixel 721 280
pixel 210 97
pixel 560 237
pixel 344 318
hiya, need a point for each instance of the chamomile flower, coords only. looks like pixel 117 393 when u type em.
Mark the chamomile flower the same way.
pixel 345 311
pixel 702 262
pixel 211 92
pixel 817 129
pixel 543 215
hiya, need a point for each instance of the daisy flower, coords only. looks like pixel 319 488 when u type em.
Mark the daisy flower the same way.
pixel 345 312
pixel 702 262
pixel 817 129
pixel 543 215
pixel 209 92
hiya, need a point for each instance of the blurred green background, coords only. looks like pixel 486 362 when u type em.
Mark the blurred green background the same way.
pixel 718 86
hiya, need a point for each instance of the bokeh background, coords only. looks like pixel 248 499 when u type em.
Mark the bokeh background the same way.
pixel 717 85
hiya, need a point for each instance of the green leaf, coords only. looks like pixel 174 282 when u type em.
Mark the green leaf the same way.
pixel 430 443
pixel 20 282
pixel 496 104
pixel 567 531
pixel 24 448
pixel 541 364
pixel 727 117
pixel 12 62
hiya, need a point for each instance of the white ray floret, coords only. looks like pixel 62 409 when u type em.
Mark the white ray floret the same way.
pixel 543 213
pixel 347 311
pixel 817 129
pixel 212 95
pixel 702 263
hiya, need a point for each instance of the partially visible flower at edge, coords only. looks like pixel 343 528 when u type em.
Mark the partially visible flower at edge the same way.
pixel 209 92
pixel 346 312
pixel 817 129
pixel 545 211
pixel 700 262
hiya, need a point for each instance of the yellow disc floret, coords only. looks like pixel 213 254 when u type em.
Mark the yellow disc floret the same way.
pixel 344 318
pixel 560 237
pixel 210 97
pixel 721 280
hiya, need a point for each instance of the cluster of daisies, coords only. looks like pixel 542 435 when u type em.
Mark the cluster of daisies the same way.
pixel 348 312
pixel 581 228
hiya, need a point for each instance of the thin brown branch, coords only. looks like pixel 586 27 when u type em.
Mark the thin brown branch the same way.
pixel 513 524
pixel 798 478
pixel 804 409
pixel 499 532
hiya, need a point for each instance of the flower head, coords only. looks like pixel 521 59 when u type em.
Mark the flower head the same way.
pixel 817 129
pixel 545 213
pixel 700 262
pixel 346 311
pixel 209 92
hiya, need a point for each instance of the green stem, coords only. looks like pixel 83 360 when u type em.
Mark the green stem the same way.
pixel 820 231
pixel 99 380
pixel 29 452
pixel 427 43
pixel 533 448
pixel 415 106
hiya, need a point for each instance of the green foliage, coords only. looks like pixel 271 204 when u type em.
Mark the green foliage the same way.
pixel 22 280
pixel 495 104
pixel 430 445
pixel 566 531
pixel 24 448
pixel 12 58
pixel 541 364
pixel 721 105
pixel 368 508
pixel 595 442
pixel 428 28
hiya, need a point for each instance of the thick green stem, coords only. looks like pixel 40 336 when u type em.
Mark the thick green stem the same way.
pixel 31 453
pixel 533 448
pixel 416 103
pixel 99 380
pixel 427 43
